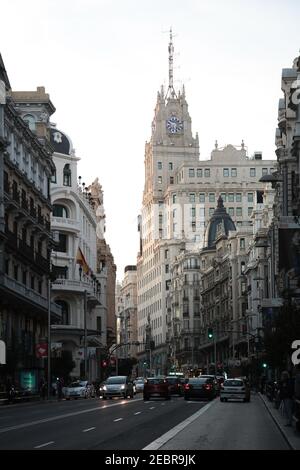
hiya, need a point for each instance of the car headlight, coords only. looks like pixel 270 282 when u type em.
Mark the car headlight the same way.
pixel 122 387
pixel 104 387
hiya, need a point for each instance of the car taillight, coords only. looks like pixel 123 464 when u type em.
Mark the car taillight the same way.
pixel 207 386
pixel 186 387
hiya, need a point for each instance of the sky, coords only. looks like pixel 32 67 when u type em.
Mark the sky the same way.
pixel 103 61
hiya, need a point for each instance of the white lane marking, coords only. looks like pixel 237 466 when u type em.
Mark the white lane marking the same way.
pixel 118 419
pixel 66 415
pixel 158 443
pixel 43 445
pixel 152 408
pixel 88 429
pixel 138 413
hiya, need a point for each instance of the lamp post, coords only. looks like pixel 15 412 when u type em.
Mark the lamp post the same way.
pixel 85 334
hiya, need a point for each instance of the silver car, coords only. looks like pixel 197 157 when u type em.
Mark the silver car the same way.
pixel 117 386
pixel 79 389
pixel 139 385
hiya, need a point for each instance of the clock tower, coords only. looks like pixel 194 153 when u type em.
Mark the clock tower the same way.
pixel 171 144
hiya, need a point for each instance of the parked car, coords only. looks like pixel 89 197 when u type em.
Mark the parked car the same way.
pixel 139 384
pixel 200 387
pixel 156 387
pixel 79 389
pixel 175 385
pixel 237 388
pixel 117 386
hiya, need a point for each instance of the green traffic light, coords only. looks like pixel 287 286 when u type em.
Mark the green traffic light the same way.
pixel 264 365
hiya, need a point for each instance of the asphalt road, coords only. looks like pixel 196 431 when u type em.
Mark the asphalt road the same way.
pixel 91 424
pixel 135 424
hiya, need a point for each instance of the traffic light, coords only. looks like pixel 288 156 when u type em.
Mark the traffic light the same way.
pixel 265 365
pixel 210 333
pixel 104 363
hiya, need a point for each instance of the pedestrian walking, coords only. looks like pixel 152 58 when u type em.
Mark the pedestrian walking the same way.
pixel 286 391
pixel 59 386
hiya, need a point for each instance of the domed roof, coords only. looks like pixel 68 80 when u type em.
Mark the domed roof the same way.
pixel 219 221
pixel 60 141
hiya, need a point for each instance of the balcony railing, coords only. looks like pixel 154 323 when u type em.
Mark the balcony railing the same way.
pixel 29 294
pixel 66 223
pixel 77 286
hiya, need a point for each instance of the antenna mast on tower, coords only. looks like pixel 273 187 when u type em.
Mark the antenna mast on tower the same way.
pixel 171 90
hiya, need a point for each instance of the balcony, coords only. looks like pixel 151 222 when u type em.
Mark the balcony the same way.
pixel 11 240
pixel 73 285
pixel 42 262
pixel 26 250
pixel 65 223
pixel 22 295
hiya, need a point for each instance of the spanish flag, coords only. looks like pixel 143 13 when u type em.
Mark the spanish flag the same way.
pixel 80 259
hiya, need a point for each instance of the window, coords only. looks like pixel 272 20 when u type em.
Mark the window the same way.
pixel 171 179
pixel 174 198
pixel 238 197
pixel 259 197
pixel 243 266
pixel 159 165
pixel 159 180
pixel 199 172
pixel 53 176
pixel 167 269
pixel 242 243
pixel 233 172
pixel 230 197
pixel 239 212
pixel 29 119
pixel 211 197
pixel 211 211
pixel 192 197
pixel 32 282
pixel 223 196
pixel 264 171
pixel 191 172
pixel 65 313
pixel 40 285
pixel 170 166
pixel 60 272
pixel 193 212
pixel 67 175
pixel 99 326
pixel 207 172
pixel 250 210
pixel 62 245
pixel 202 211
pixel 166 254
pixel 193 225
pixel 250 197
pixel 225 172
pixel 201 197
pixel 231 211
pixel 24 278
pixel 60 211
pixel 252 172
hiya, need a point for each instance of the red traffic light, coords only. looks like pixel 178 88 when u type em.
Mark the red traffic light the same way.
pixel 104 363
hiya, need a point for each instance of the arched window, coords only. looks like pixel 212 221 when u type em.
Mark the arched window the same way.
pixel 67 175
pixel 65 310
pixel 29 119
pixel 60 211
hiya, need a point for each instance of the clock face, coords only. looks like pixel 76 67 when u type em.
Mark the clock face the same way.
pixel 174 125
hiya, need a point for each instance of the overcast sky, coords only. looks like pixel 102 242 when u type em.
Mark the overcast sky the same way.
pixel 103 61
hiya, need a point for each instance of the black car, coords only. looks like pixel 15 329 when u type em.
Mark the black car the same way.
pixel 198 387
pixel 175 385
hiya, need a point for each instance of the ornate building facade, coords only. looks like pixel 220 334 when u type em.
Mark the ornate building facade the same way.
pixel 26 167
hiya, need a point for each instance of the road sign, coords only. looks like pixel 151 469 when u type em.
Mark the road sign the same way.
pixel 41 350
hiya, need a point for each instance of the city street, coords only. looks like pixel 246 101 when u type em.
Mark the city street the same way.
pixel 135 424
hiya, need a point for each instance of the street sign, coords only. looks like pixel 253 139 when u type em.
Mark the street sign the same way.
pixel 41 350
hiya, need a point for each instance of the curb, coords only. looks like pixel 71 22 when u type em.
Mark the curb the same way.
pixel 278 424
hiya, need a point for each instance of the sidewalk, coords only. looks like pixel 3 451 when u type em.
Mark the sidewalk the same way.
pixel 289 433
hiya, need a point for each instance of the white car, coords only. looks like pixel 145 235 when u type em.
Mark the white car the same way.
pixel 139 385
pixel 79 389
pixel 236 388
